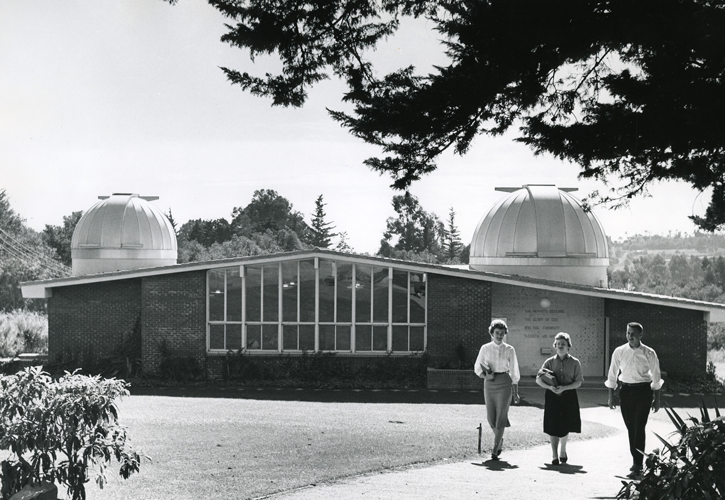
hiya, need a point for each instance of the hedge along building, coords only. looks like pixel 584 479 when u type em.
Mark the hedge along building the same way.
pixel 538 260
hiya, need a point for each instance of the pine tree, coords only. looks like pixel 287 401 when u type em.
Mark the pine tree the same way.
pixel 321 229
pixel 173 222
pixel 630 92
pixel 452 245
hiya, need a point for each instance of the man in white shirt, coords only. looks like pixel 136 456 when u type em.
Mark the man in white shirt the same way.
pixel 636 369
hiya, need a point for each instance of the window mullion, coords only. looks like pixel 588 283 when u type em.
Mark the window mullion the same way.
pixel 279 306
pixel 244 306
pixel 317 304
pixel 390 309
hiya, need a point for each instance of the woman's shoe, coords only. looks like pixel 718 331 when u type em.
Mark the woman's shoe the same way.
pixel 555 461
pixel 494 456
pixel 564 459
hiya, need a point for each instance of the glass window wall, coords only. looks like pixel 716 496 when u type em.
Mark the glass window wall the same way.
pixel 316 305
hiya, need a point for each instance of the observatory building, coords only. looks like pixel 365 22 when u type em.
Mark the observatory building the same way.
pixel 541 232
pixel 122 231
pixel 537 260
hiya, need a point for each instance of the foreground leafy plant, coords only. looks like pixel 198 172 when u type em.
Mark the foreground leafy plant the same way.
pixel 56 430
pixel 691 469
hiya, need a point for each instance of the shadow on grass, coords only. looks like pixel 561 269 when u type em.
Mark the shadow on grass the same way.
pixel 413 396
pixel 530 396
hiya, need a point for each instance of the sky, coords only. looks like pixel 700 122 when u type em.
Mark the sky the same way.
pixel 114 96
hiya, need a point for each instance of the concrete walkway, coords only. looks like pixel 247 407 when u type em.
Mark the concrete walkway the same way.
pixel 595 470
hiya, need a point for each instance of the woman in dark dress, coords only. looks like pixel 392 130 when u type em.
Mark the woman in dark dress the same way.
pixel 561 410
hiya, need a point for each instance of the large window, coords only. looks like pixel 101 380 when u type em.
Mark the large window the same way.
pixel 316 305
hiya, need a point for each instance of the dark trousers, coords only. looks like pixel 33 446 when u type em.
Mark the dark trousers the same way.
pixel 636 402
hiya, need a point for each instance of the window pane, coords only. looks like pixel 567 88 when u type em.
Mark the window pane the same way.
pixel 362 294
pixel 270 340
pixel 417 298
pixel 363 338
pixel 234 337
pixel 253 279
pixel 400 338
pixel 289 338
pixel 344 292
pixel 271 293
pixel 343 338
pixel 254 337
pixel 290 286
pixel 307 337
pixel 216 295
pixel 417 338
pixel 327 291
pixel 234 295
pixel 327 337
pixel 307 290
pixel 380 338
pixel 380 294
pixel 400 296
pixel 216 336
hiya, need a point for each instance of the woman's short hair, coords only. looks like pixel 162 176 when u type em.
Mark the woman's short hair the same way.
pixel 563 336
pixel 498 323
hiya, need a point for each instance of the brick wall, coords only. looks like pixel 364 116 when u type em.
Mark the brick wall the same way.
pixel 459 311
pixel 678 335
pixel 174 309
pixel 91 320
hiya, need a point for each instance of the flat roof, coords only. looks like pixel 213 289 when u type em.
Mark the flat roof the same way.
pixel 43 288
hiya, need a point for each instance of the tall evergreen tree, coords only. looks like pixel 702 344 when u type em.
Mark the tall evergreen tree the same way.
pixel 452 245
pixel 321 230
pixel 170 216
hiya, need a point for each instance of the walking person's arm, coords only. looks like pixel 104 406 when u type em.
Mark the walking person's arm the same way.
pixel 657 381
pixel 612 376
pixel 515 376
pixel 610 399
pixel 656 403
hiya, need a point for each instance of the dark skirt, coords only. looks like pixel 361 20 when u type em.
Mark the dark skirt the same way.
pixel 497 396
pixel 561 413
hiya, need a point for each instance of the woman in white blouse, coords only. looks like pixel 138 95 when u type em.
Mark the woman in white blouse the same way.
pixel 497 365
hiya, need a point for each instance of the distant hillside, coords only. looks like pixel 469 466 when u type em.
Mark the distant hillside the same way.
pixel 705 243
pixel 681 265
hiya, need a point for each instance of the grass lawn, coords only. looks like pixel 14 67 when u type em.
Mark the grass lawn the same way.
pixel 241 448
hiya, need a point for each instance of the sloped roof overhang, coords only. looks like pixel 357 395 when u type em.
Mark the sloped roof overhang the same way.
pixel 715 311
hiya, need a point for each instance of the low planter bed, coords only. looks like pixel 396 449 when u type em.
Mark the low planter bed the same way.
pixel 453 379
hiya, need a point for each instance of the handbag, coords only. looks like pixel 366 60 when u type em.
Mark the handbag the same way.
pixel 548 377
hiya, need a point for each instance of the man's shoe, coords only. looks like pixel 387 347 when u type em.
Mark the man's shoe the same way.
pixel 635 472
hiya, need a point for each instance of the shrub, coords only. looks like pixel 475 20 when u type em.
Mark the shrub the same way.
pixel 56 430
pixel 709 383
pixel 715 337
pixel 691 469
pixel 23 331
pixel 326 369
pixel 123 361
pixel 177 368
